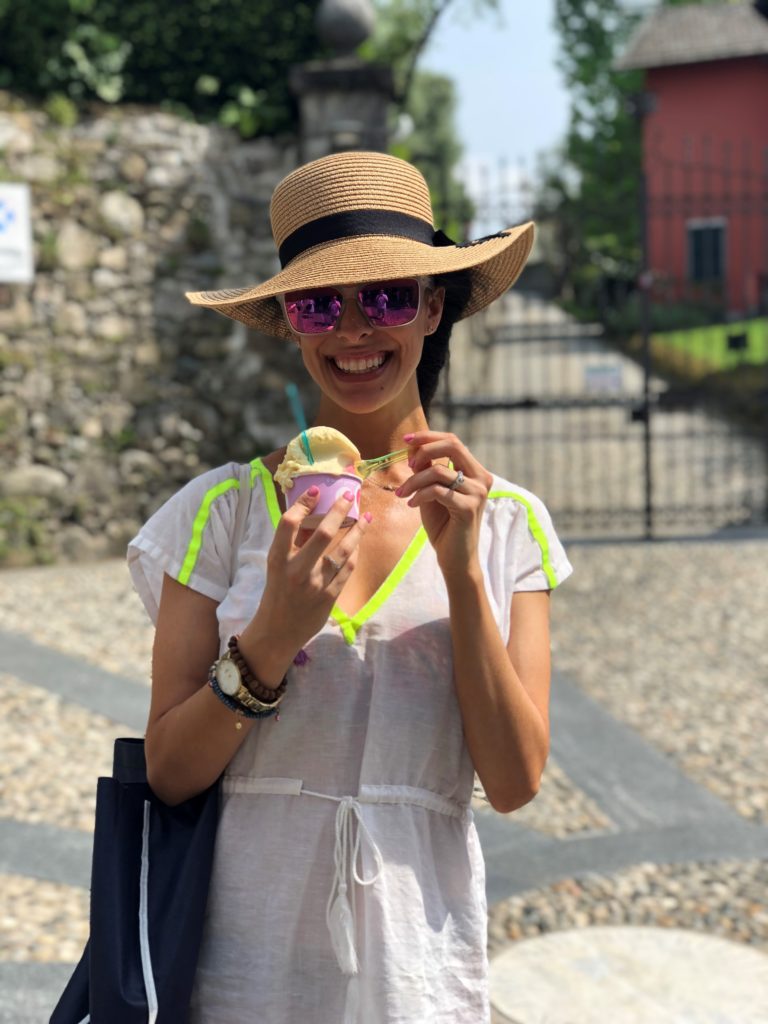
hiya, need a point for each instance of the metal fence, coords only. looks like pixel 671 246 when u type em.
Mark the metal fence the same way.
pixel 625 432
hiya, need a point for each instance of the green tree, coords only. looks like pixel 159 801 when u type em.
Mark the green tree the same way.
pixel 590 187
pixel 224 59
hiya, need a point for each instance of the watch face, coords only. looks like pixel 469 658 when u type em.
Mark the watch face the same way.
pixel 228 677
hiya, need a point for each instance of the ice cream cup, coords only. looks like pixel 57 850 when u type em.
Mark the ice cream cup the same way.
pixel 331 487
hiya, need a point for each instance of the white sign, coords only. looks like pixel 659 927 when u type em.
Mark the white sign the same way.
pixel 16 266
pixel 603 379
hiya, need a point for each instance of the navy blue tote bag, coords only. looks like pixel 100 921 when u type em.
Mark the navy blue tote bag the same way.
pixel 149 884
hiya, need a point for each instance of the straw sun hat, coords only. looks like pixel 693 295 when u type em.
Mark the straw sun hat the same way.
pixel 355 217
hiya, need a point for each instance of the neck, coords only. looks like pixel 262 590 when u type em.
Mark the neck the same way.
pixel 374 433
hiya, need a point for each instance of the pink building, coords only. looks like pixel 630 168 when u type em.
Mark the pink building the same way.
pixel 705 152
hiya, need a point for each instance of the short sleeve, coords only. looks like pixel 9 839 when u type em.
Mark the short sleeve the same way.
pixel 189 537
pixel 526 553
pixel 539 558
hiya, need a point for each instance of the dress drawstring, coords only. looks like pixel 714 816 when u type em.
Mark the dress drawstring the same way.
pixel 340 911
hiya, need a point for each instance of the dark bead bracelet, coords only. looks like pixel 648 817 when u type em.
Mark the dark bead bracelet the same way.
pixel 259 690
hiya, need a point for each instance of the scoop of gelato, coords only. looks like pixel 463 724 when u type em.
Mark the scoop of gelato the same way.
pixel 332 451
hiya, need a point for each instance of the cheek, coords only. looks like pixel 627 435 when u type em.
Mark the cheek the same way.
pixel 312 362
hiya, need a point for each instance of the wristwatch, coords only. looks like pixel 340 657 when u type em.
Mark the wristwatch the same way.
pixel 229 679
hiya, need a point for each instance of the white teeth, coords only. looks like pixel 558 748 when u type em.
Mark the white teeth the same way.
pixel 359 365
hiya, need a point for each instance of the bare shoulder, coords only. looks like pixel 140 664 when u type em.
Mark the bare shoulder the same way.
pixel 273 460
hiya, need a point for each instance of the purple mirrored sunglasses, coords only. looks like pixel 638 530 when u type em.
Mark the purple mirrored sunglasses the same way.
pixel 384 304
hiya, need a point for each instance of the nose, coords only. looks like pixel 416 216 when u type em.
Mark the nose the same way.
pixel 353 324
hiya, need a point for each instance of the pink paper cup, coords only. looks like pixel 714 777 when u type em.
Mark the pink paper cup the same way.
pixel 331 488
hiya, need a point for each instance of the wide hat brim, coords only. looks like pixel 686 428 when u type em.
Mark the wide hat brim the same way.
pixel 494 263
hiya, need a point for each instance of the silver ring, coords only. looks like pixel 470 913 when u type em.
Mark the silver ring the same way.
pixel 332 561
pixel 457 482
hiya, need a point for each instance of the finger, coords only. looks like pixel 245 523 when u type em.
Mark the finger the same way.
pixel 425 438
pixel 341 560
pixel 327 529
pixel 291 521
pixel 452 448
pixel 455 501
pixel 345 548
pixel 436 474
pixel 330 568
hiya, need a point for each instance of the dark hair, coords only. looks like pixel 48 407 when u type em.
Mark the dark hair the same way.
pixel 458 288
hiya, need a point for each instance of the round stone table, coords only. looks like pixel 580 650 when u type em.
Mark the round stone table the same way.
pixel 628 975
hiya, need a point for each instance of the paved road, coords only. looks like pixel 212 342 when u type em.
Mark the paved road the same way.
pixel 659 815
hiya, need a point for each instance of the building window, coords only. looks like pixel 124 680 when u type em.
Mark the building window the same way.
pixel 706 250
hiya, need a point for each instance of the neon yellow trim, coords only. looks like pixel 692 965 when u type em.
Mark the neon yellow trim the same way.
pixel 270 494
pixel 199 525
pixel 351 626
pixel 537 530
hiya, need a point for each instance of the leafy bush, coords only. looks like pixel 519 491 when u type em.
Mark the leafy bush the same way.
pixel 219 59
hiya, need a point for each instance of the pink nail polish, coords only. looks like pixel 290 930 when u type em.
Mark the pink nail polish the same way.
pixel 399 492
pixel 348 495
pixel 408 437
pixel 313 491
pixel 367 516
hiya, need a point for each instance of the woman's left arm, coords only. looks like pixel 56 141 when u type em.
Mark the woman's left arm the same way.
pixel 503 692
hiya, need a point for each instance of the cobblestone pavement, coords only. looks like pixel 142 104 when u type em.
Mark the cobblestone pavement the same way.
pixel 663 641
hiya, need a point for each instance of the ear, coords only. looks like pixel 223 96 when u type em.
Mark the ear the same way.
pixel 434 300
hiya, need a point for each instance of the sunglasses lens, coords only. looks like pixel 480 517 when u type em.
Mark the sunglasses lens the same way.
pixel 313 312
pixel 390 303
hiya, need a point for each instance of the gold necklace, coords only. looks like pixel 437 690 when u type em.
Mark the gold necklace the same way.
pixel 382 487
pixel 385 487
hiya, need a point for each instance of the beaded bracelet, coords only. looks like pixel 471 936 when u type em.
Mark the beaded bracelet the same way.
pixel 236 706
pixel 259 690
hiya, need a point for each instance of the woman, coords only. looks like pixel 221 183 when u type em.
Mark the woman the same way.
pixel 348 882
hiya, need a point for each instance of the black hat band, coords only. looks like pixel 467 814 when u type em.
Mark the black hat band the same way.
pixel 352 223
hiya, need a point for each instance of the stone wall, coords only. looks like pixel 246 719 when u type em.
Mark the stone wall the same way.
pixel 114 391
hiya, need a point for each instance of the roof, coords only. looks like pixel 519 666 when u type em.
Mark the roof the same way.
pixel 693 33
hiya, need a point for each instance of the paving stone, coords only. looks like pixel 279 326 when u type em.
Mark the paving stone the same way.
pixel 632 975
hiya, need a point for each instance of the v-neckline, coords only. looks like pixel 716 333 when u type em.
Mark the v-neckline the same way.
pixel 350 624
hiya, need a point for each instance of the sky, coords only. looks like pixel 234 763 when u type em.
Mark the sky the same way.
pixel 512 103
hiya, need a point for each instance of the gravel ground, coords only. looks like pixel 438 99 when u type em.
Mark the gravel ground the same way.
pixel 63 607
pixel 670 638
pixel 42 921
pixel 725 899
pixel 53 752
pixel 560 809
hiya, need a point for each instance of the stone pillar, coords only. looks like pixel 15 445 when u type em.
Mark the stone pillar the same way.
pixel 343 101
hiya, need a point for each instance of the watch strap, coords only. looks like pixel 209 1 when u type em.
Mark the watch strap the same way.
pixel 235 705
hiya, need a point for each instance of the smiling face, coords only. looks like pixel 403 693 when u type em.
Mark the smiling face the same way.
pixel 362 367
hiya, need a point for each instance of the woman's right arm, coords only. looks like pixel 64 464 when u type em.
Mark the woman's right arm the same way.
pixel 191 735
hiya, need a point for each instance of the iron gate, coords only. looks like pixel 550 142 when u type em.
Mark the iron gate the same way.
pixel 625 432
pixel 612 450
